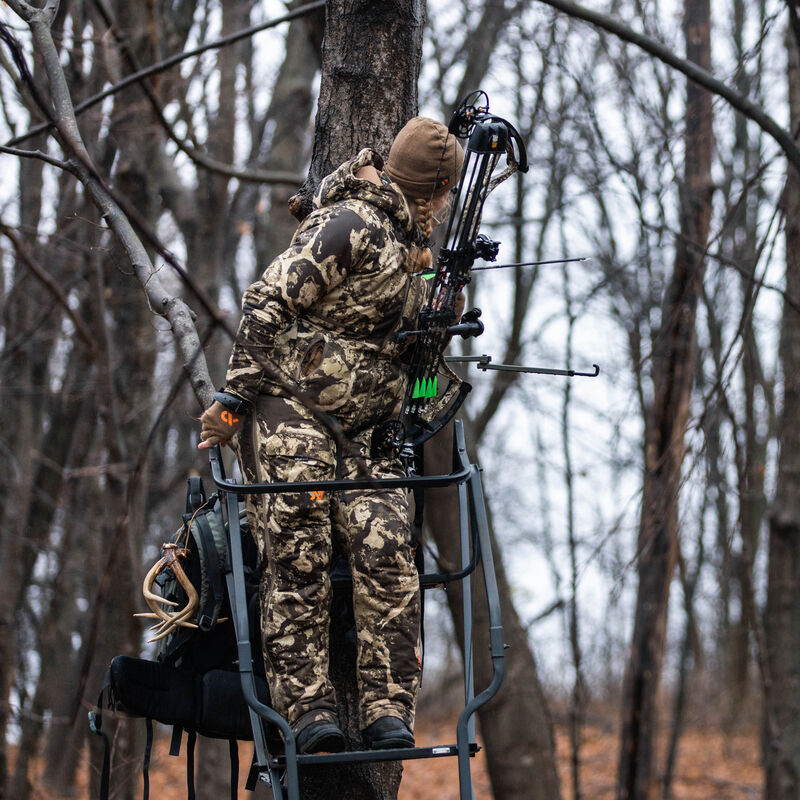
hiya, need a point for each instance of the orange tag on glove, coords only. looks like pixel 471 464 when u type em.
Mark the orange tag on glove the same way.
pixel 229 418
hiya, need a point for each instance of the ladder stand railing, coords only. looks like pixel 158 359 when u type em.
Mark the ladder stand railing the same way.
pixel 475 548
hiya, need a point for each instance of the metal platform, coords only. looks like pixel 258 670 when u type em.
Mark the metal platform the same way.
pixel 360 756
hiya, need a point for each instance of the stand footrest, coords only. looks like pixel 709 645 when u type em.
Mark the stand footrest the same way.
pixel 397 754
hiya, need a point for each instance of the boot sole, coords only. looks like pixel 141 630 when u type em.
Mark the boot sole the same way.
pixel 392 743
pixel 330 740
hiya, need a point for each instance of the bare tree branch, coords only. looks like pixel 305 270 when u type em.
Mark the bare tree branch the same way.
pixel 202 159
pixel 692 71
pixel 84 169
pixel 118 214
pixel 29 261
pixel 159 299
pixel 161 66
pixel 55 162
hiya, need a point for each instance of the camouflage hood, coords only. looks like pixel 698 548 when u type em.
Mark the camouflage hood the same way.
pixel 342 184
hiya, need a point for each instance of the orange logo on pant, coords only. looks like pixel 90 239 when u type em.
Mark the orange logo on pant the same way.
pixel 317 496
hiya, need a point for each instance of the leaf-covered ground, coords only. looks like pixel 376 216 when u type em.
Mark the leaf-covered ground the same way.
pixel 710 766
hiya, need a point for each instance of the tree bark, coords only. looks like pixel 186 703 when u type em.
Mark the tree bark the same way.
pixel 16 483
pixel 782 616
pixel 665 426
pixel 752 457
pixel 371 57
pixel 17 480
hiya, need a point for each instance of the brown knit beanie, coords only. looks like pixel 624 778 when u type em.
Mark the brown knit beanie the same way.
pixel 425 158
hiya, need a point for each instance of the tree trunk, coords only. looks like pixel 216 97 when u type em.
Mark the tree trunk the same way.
pixel 370 63
pixel 16 482
pixel 751 459
pixel 782 617
pixel 665 425
pixel 371 57
pixel 54 634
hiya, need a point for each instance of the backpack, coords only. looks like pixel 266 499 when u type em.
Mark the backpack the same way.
pixel 194 683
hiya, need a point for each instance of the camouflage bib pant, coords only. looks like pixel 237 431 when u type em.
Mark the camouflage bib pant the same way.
pixel 295 534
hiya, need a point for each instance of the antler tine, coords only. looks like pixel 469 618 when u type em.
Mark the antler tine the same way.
pixel 147 591
pixel 184 581
pixel 170 628
pixel 175 620
pixel 180 617
pixel 149 615
pixel 169 624
pixel 152 599
pixel 169 620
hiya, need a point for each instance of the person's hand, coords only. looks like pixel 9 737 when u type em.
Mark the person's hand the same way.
pixel 458 306
pixel 461 302
pixel 219 426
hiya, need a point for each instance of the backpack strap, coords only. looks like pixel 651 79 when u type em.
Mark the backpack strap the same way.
pixel 195 494
pixel 209 534
pixel 190 742
pixel 252 776
pixel 175 742
pixel 96 727
pixel 233 749
pixel 148 749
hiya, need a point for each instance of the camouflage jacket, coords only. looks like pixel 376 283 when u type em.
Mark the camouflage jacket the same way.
pixel 322 319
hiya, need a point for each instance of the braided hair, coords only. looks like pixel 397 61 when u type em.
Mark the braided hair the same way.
pixel 420 256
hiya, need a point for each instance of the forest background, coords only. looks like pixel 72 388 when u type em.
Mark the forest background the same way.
pixel 646 520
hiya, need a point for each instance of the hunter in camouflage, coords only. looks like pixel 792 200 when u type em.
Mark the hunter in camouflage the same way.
pixel 322 320
pixel 317 342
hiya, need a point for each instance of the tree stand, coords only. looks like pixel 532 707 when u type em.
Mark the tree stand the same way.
pixel 281 772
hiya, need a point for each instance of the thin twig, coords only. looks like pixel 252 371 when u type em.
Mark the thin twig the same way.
pixel 183 144
pixel 691 70
pixel 161 66
pixel 27 258
pixel 38 154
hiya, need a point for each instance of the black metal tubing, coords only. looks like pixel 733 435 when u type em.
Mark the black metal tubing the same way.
pixel 466 597
pixel 428 579
pixel 457 476
pixel 361 756
pixel 257 709
pixel 477 508
pixel 422 481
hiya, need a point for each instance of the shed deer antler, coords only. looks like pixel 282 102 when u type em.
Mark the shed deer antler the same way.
pixel 172 553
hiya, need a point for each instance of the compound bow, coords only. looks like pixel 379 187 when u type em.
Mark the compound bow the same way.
pixel 425 409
